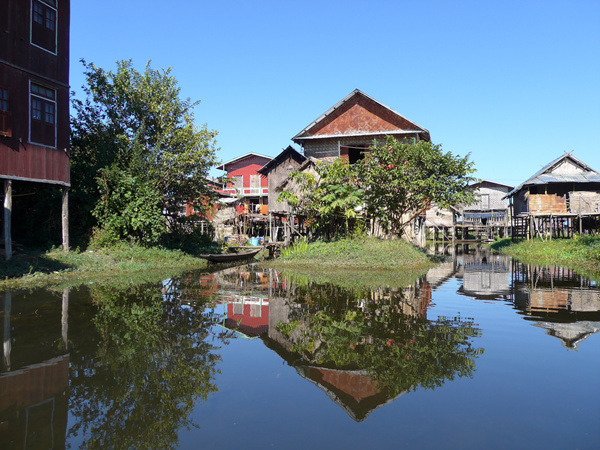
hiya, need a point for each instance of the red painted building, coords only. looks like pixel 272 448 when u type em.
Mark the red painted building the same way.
pixel 34 97
pixel 244 180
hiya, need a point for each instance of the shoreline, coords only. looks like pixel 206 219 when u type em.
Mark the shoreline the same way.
pixel 56 268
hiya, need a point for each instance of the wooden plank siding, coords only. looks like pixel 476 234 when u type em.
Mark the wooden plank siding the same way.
pixel 23 63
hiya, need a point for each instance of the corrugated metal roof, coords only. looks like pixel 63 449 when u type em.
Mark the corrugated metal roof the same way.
pixel 588 175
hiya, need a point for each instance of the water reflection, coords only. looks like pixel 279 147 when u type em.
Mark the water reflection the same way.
pixel 35 374
pixel 137 364
pixel 556 299
pixel 564 303
pixel 362 347
pixel 126 365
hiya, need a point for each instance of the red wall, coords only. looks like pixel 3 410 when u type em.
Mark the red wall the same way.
pixel 246 167
pixel 21 63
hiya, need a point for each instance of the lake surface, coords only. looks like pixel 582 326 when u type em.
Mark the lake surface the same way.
pixel 482 352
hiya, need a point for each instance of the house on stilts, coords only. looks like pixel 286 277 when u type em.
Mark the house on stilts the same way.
pixel 34 102
pixel 561 199
pixel 349 128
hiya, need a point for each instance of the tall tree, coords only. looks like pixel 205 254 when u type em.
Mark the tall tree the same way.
pixel 136 153
pixel 401 180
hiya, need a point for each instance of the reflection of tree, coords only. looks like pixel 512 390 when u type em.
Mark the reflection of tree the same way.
pixel 150 364
pixel 382 333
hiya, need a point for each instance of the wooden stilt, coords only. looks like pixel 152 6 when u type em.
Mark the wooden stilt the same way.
pixel 7 219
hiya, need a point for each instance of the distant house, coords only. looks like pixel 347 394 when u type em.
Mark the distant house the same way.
pixel 243 180
pixel 565 185
pixel 34 99
pixel 277 171
pixel 491 206
pixel 352 125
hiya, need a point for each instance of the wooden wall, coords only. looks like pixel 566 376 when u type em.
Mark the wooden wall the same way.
pixel 22 63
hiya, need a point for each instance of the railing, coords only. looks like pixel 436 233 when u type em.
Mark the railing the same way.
pixel 246 191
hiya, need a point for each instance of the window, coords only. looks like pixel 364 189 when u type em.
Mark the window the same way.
pixel 5 125
pixel 42 127
pixel 43 24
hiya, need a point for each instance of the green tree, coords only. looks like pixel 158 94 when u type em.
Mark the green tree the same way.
pixel 401 180
pixel 331 199
pixel 135 149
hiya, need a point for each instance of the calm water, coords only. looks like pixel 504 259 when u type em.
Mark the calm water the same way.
pixel 482 352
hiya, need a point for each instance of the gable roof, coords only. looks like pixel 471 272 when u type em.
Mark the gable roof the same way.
pixel 289 151
pixel 310 161
pixel 239 158
pixel 544 175
pixel 490 182
pixel 371 118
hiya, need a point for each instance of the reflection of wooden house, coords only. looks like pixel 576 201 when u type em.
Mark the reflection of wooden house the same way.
pixel 33 405
pixel 566 303
pixel 354 391
pixel 486 277
pixel 571 334
pixel 352 125
pixel 248 315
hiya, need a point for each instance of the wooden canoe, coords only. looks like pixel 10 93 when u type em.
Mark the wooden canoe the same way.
pixel 229 257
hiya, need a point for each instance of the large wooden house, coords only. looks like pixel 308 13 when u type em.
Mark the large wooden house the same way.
pixel 352 125
pixel 34 99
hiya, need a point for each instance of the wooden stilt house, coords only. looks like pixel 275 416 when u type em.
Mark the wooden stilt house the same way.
pixel 34 100
pixel 560 199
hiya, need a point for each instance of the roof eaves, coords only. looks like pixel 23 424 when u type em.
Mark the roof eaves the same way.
pixel 289 150
pixel 247 155
pixel 366 133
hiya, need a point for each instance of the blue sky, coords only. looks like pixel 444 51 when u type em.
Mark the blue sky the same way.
pixel 513 83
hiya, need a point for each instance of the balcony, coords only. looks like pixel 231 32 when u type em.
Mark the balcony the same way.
pixel 246 192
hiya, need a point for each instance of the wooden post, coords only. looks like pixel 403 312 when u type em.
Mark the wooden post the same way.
pixel 270 228
pixel 64 319
pixel 65 219
pixel 7 219
pixel 6 344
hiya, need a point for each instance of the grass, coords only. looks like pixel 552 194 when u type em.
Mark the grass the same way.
pixel 359 253
pixel 581 253
pixel 43 269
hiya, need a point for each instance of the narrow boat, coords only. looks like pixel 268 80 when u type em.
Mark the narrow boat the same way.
pixel 229 257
